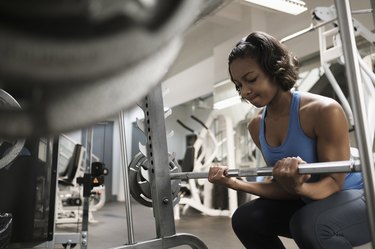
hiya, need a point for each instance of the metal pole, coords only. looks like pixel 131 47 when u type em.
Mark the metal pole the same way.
pixel 315 27
pixel 373 12
pixel 357 99
pixel 158 158
pixel 124 161
pixel 307 168
pixel 86 206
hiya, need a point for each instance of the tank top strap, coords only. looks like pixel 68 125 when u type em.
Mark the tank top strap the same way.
pixel 294 110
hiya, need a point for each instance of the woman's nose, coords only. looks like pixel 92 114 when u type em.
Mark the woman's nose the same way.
pixel 246 91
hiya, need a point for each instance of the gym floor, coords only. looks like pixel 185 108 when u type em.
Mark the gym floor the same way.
pixel 110 229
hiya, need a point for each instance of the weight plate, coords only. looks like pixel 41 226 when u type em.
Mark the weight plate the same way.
pixel 139 185
pixel 15 145
pixel 74 68
pixel 135 180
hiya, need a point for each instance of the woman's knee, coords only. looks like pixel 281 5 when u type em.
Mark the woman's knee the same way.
pixel 302 226
pixel 248 217
pixel 239 222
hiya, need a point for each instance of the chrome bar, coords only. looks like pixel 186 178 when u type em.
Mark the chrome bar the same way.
pixel 306 168
pixel 86 204
pixel 124 161
pixel 359 109
pixel 314 27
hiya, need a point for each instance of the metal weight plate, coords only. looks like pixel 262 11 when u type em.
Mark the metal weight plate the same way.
pixel 86 55
pixel 139 184
pixel 136 181
pixel 15 145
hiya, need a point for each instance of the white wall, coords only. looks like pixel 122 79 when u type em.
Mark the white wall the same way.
pixel 191 83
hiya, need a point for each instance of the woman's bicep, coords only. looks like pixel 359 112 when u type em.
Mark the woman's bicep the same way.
pixel 333 138
pixel 332 134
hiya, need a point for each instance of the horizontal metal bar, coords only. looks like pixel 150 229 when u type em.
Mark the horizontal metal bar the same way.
pixel 306 168
pixel 314 27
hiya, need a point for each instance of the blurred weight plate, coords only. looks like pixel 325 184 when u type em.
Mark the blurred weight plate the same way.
pixel 80 62
pixel 13 146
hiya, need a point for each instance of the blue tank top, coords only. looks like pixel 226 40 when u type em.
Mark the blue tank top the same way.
pixel 297 143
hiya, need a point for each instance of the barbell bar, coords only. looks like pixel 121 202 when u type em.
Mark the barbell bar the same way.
pixel 306 168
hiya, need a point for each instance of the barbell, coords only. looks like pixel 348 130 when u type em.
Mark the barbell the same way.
pixel 140 190
pixel 307 168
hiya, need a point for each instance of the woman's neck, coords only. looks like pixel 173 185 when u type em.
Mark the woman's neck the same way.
pixel 280 104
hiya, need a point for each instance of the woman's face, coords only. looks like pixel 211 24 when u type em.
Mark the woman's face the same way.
pixel 251 82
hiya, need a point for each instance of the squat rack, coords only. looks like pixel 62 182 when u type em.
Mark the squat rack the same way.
pixel 159 175
pixel 158 155
pixel 356 93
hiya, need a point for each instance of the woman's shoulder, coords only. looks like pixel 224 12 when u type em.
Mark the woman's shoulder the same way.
pixel 315 102
pixel 320 108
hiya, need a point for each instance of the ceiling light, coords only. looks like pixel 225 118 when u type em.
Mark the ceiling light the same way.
pixel 293 7
pixel 225 103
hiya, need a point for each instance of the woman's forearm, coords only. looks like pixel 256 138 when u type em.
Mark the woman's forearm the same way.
pixel 270 190
pixel 319 190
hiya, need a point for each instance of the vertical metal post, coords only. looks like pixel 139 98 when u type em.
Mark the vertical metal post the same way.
pixel 357 99
pixel 124 161
pixel 159 163
pixel 53 157
pixel 373 8
pixel 85 211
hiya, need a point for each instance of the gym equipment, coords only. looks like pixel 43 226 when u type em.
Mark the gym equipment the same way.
pixel 334 52
pixel 356 91
pixel 28 192
pixel 12 147
pixel 76 162
pixel 139 184
pixel 5 229
pixel 86 54
pixel 160 185
pixel 309 168
pixel 202 157
pixel 69 192
pixel 199 157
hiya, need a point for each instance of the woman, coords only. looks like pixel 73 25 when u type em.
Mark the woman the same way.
pixel 317 211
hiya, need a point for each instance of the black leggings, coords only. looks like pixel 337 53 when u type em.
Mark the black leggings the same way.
pixel 339 221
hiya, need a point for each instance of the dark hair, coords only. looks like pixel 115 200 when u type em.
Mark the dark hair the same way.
pixel 272 56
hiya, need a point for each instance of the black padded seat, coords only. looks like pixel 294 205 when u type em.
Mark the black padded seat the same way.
pixel 73 165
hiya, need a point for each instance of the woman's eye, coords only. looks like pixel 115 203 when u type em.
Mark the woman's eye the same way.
pixel 252 80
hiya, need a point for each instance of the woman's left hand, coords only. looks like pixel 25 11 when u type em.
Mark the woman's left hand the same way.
pixel 218 174
pixel 285 172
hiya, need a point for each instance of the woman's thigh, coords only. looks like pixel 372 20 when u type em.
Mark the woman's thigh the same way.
pixel 339 221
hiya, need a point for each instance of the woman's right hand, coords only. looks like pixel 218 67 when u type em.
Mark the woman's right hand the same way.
pixel 285 172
